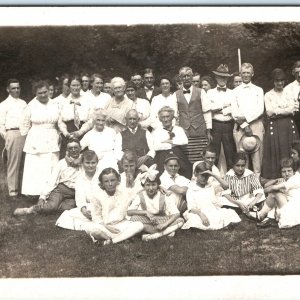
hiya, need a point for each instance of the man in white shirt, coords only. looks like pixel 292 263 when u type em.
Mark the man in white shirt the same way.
pixel 222 122
pixel 135 139
pixel 11 110
pixel 293 92
pixel 247 109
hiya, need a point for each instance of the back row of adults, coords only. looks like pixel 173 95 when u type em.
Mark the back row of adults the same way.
pixel 233 118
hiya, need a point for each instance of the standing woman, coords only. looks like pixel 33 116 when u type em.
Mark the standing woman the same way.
pixel 281 131
pixel 207 83
pixel 142 106
pixel 39 122
pixel 64 89
pixel 166 98
pixel 118 106
pixel 76 114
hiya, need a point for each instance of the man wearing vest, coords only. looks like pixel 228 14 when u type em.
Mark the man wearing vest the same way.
pixel 135 139
pixel 194 115
pixel 149 90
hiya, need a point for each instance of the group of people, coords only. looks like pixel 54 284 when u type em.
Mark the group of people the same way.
pixel 143 159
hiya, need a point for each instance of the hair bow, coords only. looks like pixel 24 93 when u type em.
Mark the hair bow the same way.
pixel 148 173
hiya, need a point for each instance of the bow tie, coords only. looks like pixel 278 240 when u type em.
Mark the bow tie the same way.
pixel 222 89
pixel 75 102
pixel 149 89
pixel 187 92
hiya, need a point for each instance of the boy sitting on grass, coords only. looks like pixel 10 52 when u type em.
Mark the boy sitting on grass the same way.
pixel 158 212
pixel 59 192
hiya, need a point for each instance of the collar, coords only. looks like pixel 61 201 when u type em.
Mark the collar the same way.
pixel 165 173
pixel 133 130
pixel 190 88
pixel 244 85
pixel 149 89
pixel 246 173
pixel 12 98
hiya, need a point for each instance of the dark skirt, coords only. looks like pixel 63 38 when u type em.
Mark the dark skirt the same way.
pixel 194 149
pixel 185 166
pixel 279 135
pixel 63 140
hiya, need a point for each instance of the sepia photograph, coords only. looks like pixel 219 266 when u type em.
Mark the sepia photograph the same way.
pixel 149 152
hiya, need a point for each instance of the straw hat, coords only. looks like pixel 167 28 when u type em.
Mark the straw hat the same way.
pixel 222 71
pixel 249 144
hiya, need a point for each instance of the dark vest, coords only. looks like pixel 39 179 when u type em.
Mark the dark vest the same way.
pixel 135 142
pixel 190 114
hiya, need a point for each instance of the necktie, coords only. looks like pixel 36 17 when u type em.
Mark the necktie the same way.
pixel 221 89
pixel 149 89
pixel 171 134
pixel 187 92
pixel 76 114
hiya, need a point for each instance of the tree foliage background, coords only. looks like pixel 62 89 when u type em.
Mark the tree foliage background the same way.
pixel 31 53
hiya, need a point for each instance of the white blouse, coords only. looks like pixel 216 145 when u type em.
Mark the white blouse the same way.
pixel 39 122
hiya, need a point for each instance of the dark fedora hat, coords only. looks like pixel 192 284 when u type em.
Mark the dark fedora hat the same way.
pixel 222 71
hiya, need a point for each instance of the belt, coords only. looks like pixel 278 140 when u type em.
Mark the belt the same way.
pixel 218 121
pixel 15 128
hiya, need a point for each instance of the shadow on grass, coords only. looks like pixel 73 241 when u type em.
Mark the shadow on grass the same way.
pixel 32 247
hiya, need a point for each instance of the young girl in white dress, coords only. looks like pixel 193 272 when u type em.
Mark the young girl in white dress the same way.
pixel 156 211
pixel 203 213
pixel 109 211
pixel 80 218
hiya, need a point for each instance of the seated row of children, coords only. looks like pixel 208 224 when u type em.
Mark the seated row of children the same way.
pixel 112 207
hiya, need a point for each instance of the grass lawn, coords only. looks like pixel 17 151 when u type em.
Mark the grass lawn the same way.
pixel 32 247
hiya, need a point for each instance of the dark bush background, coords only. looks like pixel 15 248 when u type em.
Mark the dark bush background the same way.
pixel 30 53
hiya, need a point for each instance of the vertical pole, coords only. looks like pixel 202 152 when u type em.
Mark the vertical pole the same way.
pixel 239 59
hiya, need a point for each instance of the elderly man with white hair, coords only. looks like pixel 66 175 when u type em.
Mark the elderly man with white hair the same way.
pixel 194 115
pixel 170 139
pixel 118 106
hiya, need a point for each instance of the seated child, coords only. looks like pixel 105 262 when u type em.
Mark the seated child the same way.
pixel 286 196
pixel 80 217
pixel 174 183
pixel 245 190
pixel 155 210
pixel 269 207
pixel 203 213
pixel 130 177
pixel 109 210
pixel 59 192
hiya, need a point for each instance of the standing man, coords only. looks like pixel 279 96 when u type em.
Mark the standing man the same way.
pixel 194 115
pixel 293 91
pixel 11 110
pixel 137 79
pixel 149 90
pixel 196 80
pixel 247 110
pixel 222 122
pixel 85 79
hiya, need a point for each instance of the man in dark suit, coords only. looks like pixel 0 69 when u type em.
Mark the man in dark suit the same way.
pixel 149 90
pixel 194 115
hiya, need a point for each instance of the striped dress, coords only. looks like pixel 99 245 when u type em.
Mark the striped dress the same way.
pixel 242 189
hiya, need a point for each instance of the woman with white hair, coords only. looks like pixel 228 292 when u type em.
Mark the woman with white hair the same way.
pixel 118 106
pixel 101 139
pixel 170 139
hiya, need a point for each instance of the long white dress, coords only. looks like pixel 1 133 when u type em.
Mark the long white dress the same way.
pixel 204 199
pixel 39 122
